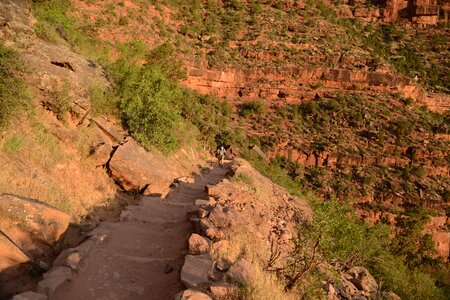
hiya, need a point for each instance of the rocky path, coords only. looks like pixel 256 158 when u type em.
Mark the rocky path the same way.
pixel 142 255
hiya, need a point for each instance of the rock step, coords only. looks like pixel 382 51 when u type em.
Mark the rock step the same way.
pixel 159 212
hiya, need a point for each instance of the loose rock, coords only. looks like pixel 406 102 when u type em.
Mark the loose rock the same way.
pixel 54 280
pixel 223 290
pixel 192 295
pixel 198 244
pixel 195 271
pixel 30 296
pixel 242 271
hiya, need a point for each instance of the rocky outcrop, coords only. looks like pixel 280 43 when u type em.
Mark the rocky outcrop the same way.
pixel 293 84
pixel 392 156
pixel 29 236
pixel 32 225
pixel 248 205
pixel 17 22
pixel 355 283
pixel 136 169
pixel 249 211
pixel 421 12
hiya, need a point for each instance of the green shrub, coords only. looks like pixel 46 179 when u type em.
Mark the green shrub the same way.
pixel 103 101
pixel 252 107
pixel 14 144
pixel 60 101
pixel 147 105
pixel 156 108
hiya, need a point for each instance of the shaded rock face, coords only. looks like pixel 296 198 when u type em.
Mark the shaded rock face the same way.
pixel 11 255
pixel 32 225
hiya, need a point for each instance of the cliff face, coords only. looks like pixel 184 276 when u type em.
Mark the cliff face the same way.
pixel 421 12
pixel 293 84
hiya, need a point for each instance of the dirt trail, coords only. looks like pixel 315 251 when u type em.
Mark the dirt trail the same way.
pixel 135 261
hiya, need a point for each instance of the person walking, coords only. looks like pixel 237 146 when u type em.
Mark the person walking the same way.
pixel 220 155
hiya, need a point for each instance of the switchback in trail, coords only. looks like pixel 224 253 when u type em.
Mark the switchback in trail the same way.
pixel 141 255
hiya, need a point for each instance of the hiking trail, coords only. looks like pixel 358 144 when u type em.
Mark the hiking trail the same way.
pixel 144 252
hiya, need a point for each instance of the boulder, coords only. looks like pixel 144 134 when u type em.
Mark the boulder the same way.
pixel 241 271
pixel 363 280
pixel 191 295
pixel 185 179
pixel 56 279
pixel 136 169
pixel 210 230
pixel 223 290
pixel 74 260
pixel 218 217
pixel 198 244
pixel 100 153
pixel 29 296
pixel 196 270
pixel 30 223
pixel 112 132
pixel 10 254
pixel 390 296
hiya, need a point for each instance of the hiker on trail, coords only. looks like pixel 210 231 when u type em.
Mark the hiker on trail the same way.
pixel 220 153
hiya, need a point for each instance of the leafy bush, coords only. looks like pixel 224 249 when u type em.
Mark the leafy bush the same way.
pixel 252 107
pixel 12 90
pixel 147 105
pixel 156 108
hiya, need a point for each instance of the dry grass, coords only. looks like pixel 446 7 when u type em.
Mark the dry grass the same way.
pixel 34 163
pixel 254 248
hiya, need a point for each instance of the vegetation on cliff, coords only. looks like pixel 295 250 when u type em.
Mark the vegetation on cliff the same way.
pixel 12 92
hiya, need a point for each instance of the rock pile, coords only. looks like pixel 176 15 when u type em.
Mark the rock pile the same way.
pixel 263 215
pixel 248 205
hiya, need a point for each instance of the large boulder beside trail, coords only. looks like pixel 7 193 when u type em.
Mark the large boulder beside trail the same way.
pixel 31 224
pixel 196 270
pixel 10 254
pixel 136 169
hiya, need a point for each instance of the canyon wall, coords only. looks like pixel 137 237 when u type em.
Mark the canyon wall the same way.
pixel 421 12
pixel 293 84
